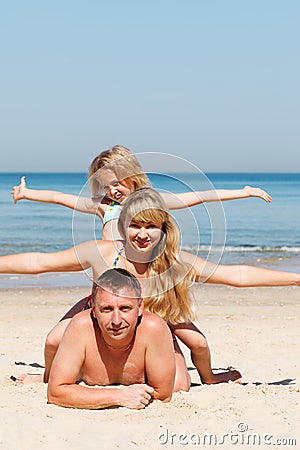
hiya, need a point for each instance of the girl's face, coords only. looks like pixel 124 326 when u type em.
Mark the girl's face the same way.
pixel 144 236
pixel 114 189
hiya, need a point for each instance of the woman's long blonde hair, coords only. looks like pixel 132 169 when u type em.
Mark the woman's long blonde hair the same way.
pixel 125 166
pixel 169 279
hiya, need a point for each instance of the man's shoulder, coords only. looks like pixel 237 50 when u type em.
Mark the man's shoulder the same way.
pixel 152 322
pixel 81 320
pixel 154 331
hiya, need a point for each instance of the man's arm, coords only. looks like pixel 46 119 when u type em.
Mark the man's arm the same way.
pixel 160 357
pixel 65 370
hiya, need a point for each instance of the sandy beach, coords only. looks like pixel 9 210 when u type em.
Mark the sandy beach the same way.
pixel 254 330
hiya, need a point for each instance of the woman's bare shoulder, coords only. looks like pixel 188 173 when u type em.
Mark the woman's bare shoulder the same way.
pixel 106 250
pixel 109 245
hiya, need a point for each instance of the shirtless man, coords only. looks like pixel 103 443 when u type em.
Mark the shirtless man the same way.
pixel 114 343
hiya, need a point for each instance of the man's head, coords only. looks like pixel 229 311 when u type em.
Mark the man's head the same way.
pixel 117 304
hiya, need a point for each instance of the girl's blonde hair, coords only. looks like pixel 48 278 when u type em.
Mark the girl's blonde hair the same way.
pixel 169 279
pixel 125 166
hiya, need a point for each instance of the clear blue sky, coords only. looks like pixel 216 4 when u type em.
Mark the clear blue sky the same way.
pixel 213 81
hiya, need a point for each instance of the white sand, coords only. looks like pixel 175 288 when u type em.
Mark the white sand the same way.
pixel 254 330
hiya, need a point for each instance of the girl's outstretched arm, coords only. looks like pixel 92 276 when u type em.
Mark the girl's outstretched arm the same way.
pixel 78 203
pixel 185 199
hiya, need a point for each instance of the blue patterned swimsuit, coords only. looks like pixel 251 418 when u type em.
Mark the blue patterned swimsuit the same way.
pixel 112 212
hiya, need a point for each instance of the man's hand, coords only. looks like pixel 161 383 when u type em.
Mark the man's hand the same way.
pixel 18 191
pixel 136 396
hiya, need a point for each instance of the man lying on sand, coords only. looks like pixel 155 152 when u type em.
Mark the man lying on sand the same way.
pixel 114 343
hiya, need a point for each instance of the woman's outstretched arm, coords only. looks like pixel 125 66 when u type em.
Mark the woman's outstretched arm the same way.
pixel 239 275
pixel 71 260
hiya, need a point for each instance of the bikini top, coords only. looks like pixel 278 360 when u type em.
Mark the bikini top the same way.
pixel 112 212
pixel 115 263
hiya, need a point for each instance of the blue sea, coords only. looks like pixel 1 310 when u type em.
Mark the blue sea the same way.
pixel 246 231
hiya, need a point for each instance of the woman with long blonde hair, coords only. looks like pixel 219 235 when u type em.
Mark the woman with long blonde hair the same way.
pixel 167 291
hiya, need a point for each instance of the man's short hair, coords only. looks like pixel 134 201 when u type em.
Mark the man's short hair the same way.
pixel 112 280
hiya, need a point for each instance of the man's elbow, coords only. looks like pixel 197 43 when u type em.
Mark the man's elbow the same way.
pixel 54 396
pixel 163 398
pixel 164 395
pixel 51 398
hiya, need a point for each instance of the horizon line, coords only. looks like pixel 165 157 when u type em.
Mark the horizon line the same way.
pixel 152 171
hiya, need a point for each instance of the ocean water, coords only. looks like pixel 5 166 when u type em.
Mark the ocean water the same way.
pixel 246 231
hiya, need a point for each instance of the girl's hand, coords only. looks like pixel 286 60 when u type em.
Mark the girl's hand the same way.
pixel 257 192
pixel 18 192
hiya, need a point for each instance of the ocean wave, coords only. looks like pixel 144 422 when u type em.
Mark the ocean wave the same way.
pixel 63 279
pixel 243 249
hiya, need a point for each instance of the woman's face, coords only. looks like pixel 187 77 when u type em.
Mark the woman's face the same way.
pixel 114 189
pixel 144 236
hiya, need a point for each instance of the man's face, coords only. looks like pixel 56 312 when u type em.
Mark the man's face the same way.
pixel 117 315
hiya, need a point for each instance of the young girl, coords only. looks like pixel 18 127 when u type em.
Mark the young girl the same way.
pixel 113 175
pixel 149 249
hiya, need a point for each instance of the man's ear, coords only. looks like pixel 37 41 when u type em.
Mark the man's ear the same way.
pixel 141 306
